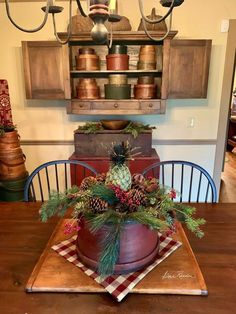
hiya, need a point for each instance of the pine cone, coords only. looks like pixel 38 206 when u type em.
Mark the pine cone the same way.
pixel 152 187
pixel 87 183
pixel 137 197
pixel 133 208
pixel 137 178
pixel 101 177
pixel 97 204
pixel 138 186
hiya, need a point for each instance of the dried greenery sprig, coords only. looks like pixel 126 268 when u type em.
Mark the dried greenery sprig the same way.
pixel 133 128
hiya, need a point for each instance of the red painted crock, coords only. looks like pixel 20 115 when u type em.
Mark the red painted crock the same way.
pixel 139 246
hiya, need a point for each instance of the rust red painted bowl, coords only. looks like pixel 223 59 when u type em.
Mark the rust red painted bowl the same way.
pixel 139 246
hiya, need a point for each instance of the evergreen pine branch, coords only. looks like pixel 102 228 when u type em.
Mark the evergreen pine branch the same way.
pixel 145 218
pixel 91 127
pixel 193 225
pixel 184 214
pixel 135 128
pixel 110 249
pixel 97 221
pixel 58 203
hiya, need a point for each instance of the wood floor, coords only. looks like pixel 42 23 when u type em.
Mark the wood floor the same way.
pixel 228 179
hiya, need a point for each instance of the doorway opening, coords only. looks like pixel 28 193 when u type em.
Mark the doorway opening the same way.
pixel 227 122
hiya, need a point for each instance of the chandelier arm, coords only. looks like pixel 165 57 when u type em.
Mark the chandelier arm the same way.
pixel 157 20
pixel 81 9
pixel 69 26
pixel 110 41
pixel 28 30
pixel 161 38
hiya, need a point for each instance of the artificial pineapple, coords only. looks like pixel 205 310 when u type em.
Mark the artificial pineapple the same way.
pixel 119 174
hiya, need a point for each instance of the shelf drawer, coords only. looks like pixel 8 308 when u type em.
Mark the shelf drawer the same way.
pixel 150 104
pixel 78 106
pixel 116 105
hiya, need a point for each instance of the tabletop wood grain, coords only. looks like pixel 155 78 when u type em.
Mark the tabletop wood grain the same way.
pixel 23 238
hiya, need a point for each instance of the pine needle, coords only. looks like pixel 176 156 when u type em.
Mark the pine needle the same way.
pixel 57 204
pixel 110 249
pixel 145 219
pixel 97 221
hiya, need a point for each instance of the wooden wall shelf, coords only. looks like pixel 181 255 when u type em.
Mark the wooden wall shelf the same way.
pixel 104 73
pixel 130 37
pixel 182 68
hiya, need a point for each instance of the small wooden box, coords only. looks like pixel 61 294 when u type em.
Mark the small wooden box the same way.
pixel 98 144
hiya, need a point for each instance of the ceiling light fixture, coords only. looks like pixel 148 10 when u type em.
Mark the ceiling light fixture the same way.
pixel 99 11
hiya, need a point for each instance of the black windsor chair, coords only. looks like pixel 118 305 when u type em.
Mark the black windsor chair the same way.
pixel 55 176
pixel 193 182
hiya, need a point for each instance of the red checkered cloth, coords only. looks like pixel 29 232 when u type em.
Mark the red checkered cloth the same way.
pixel 117 285
pixel 5 106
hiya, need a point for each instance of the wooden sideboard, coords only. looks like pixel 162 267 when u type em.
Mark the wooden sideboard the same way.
pixel 101 164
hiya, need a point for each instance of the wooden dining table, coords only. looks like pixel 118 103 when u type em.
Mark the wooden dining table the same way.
pixel 23 238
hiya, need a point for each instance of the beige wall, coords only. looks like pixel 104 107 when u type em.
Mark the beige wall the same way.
pixel 38 120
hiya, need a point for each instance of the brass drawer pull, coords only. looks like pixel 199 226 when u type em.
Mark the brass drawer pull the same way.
pixel 150 105
pixel 116 105
pixel 81 105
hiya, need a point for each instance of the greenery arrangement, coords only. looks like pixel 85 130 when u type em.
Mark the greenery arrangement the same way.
pixel 116 198
pixel 91 127
pixel 134 128
pixel 7 127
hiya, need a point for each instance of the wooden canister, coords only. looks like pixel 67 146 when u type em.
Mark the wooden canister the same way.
pixel 145 91
pixel 118 49
pixel 117 91
pixel 12 164
pixel 117 62
pixel 146 65
pixel 118 79
pixel 86 50
pixel 147 50
pixel 89 83
pixel 87 60
pixel 147 58
pixel 88 89
pixel 146 79
pixel 13 190
pixel 9 140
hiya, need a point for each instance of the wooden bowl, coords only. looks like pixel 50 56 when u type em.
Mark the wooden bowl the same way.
pixel 114 124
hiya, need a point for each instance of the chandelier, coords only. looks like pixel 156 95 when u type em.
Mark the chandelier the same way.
pixel 99 11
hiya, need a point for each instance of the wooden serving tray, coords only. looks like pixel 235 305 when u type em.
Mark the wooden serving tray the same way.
pixel 177 274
